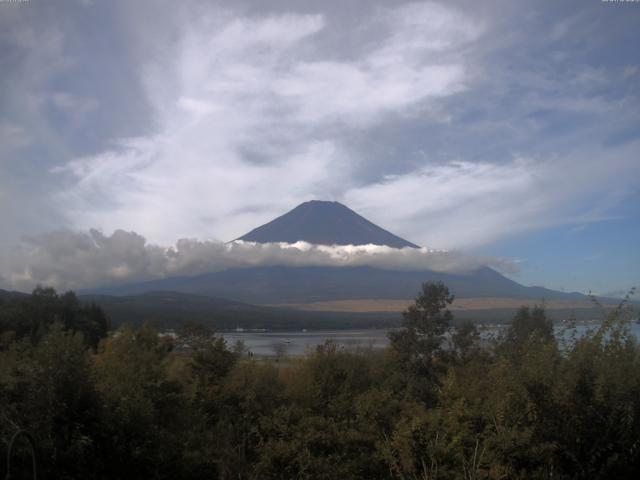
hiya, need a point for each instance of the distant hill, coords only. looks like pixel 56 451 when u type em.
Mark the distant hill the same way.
pixel 6 295
pixel 169 309
pixel 324 223
pixel 277 285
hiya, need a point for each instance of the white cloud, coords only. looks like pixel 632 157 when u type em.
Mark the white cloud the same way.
pixel 66 259
pixel 464 205
pixel 251 116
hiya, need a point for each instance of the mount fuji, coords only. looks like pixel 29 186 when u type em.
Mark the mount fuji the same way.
pixel 331 223
pixel 324 223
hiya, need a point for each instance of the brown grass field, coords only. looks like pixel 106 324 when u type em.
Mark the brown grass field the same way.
pixel 370 305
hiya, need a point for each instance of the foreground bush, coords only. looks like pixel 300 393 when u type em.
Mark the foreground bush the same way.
pixel 437 404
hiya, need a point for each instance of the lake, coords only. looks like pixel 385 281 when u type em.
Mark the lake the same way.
pixel 296 343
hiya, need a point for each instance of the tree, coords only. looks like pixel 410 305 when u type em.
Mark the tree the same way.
pixel 528 323
pixel 146 414
pixel 32 317
pixel 418 344
pixel 465 342
pixel 210 359
pixel 49 390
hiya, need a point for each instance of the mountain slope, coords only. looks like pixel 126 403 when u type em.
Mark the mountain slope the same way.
pixel 324 223
pixel 274 285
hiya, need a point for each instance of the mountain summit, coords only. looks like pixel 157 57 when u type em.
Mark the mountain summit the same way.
pixel 324 223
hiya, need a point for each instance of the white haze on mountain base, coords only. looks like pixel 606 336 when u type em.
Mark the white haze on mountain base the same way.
pixel 76 260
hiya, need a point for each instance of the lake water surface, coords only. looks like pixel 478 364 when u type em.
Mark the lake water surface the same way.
pixel 296 343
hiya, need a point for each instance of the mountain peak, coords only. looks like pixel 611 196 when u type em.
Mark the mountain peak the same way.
pixel 321 202
pixel 325 223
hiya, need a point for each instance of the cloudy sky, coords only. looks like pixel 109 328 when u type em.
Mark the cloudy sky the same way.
pixel 507 130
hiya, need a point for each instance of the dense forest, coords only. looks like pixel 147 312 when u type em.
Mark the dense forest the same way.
pixel 439 403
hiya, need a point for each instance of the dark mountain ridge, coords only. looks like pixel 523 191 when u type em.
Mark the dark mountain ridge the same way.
pixel 170 309
pixel 6 295
pixel 280 284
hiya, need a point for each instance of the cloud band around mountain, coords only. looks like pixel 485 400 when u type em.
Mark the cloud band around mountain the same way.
pixel 77 260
